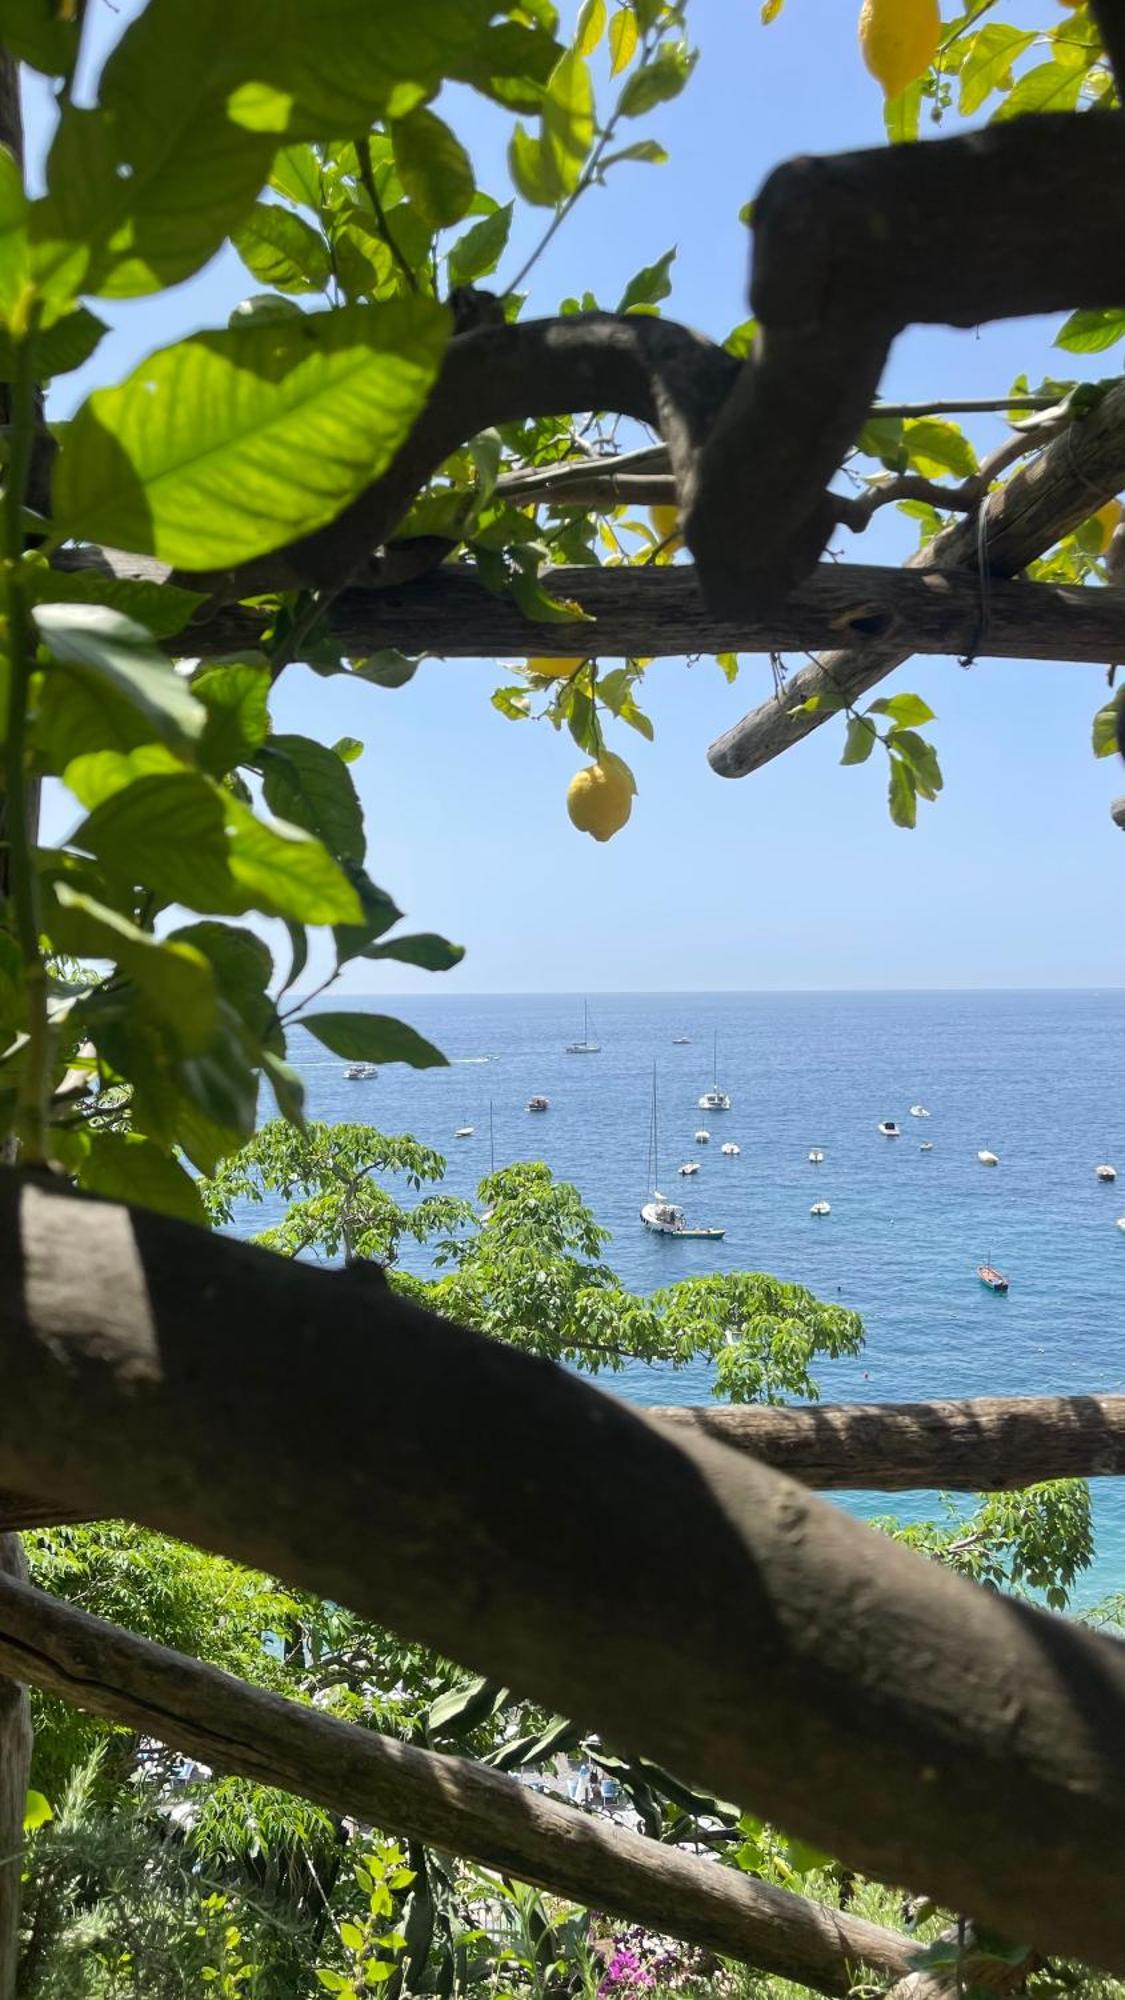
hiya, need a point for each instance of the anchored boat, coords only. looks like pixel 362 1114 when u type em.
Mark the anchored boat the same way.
pixel 990 1276
pixel 585 1047
pixel 664 1217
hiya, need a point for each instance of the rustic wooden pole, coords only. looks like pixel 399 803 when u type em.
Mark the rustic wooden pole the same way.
pixel 449 1802
pixel 693 1605
pixel 15 1768
pixel 991 1444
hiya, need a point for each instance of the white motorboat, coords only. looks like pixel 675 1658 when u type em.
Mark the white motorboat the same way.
pixel 1121 1222
pixel 730 1149
pixel 463 1132
pixel 889 1129
pixel 715 1099
pixel 689 1167
pixel 539 1103
pixel 680 1041
pixel 918 1111
pixel 927 1146
pixel 816 1155
pixel 585 1047
pixel 1106 1173
pixel 359 1072
pixel 664 1217
pixel 988 1159
pixel 821 1208
pixel 703 1136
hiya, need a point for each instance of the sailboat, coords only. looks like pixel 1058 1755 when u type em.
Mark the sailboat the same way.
pixel 715 1099
pixel 666 1217
pixel 585 1047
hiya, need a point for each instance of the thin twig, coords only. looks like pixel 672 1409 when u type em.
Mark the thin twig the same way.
pixel 367 176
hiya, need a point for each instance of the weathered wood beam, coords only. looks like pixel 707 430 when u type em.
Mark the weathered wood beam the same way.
pixel 1109 17
pixel 848 250
pixel 450 1802
pixel 690 1603
pixel 1044 500
pixel 992 1444
pixel 661 613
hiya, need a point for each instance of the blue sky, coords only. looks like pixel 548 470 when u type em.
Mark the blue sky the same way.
pixel 794 877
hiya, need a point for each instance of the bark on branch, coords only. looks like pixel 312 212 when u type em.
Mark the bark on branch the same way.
pixel 1044 500
pixel 450 1802
pixel 693 1605
pixel 848 250
pixel 661 613
pixel 992 1444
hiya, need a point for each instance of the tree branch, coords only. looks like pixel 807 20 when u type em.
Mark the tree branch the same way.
pixel 991 1444
pixel 1109 19
pixel 1083 467
pixel 660 613
pixel 302 1423
pixel 848 250
pixel 449 1802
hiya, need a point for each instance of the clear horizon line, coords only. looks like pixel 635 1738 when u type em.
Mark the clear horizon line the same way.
pixel 686 992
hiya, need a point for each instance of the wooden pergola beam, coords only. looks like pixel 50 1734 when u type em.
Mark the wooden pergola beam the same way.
pixel 449 1802
pixel 991 1444
pixel 693 1605
pixel 661 613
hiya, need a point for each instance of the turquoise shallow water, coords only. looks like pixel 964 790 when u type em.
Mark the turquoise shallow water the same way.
pixel 1033 1077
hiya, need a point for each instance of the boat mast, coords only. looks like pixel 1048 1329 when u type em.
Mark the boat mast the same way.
pixel 653 1168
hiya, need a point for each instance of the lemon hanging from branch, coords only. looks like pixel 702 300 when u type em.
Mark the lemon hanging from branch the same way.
pixel 546 669
pixel 899 40
pixel 599 798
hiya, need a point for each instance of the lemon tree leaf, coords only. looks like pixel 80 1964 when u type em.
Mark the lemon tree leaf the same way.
pixel 987 63
pixel 480 249
pixel 860 740
pixel 568 119
pixel 176 979
pixel 434 168
pixel 125 1166
pixel 308 784
pixel 424 948
pixel 374 1038
pixel 533 170
pixel 103 642
pixel 935 446
pixel 229 444
pixel 282 250
pixel 662 78
pixel 1091 332
pixel 37 1810
pixel 235 699
pixel 623 37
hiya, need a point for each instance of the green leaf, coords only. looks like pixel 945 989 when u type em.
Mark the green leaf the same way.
pixel 464 1708
pixel 373 1038
pixel 333 1982
pixel 104 643
pixel 591 26
pixel 434 168
pixel 388 669
pixel 379 912
pixel 658 81
pixel 424 948
pixel 242 966
pixel 860 740
pixel 176 979
pixel 534 602
pixel 935 445
pixel 902 114
pixel 223 447
pixel 235 698
pixel 623 40
pixel 648 285
pixel 142 190
pixel 902 795
pixel 1092 332
pixel 378 1970
pixel 162 608
pixel 288 1090
pixel 66 344
pixel 281 250
pixel 309 785
pixel 922 760
pixel 480 249
pixel 43 33
pixel 296 175
pixel 125 1166
pixel 987 63
pixel 568 119
pixel 192 843
pixel 262 308
pixel 533 170
pixel 37 1810
pixel 1105 730
pixel 1050 86
pixel 882 438
pixel 908 710
pixel 349 748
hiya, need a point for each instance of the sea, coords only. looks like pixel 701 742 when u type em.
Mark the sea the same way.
pixel 1033 1077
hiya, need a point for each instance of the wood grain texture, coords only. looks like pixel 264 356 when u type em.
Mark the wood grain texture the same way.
pixel 15 1772
pixel 691 1604
pixel 450 1802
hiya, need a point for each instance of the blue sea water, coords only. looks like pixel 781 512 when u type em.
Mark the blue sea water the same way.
pixel 1033 1077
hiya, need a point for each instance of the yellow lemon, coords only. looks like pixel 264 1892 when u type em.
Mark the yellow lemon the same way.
pixel 1108 518
pixel 599 799
pixel 898 40
pixel 556 670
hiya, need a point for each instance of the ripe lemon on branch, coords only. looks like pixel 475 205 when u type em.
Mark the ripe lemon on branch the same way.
pixel 599 798
pixel 898 40
pixel 555 670
pixel 1108 519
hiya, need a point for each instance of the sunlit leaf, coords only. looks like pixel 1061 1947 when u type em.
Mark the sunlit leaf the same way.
pixel 175 979
pixel 434 168
pixel 100 641
pixel 374 1038
pixel 125 1166
pixel 281 249
pixel 309 785
pixel 480 249
pixel 568 119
